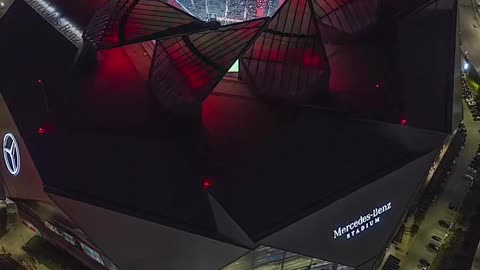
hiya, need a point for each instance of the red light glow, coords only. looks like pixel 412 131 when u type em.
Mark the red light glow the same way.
pixel 207 184
pixel 311 60
pixel 261 5
pixel 377 85
pixel 40 81
pixel 41 131
pixel 403 122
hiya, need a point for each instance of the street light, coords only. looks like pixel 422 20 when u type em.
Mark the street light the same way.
pixel 465 66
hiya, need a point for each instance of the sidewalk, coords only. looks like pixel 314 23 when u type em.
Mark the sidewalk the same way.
pixel 13 241
pixel 469 31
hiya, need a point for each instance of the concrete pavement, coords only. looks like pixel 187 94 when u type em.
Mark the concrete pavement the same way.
pixel 4 5
pixel 469 26
pixel 12 243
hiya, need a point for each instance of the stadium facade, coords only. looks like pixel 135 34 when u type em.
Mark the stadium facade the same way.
pixel 131 146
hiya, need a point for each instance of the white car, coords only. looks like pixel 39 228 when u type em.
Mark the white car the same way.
pixel 469 177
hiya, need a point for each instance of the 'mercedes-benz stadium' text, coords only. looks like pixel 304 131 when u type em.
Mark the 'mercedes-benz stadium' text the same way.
pixel 362 223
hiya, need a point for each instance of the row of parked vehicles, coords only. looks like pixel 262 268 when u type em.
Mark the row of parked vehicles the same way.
pixel 473 168
pixel 434 246
pixel 432 193
pixel 470 99
pixel 438 180
pixel 442 173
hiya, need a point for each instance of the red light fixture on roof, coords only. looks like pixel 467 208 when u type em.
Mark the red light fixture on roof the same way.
pixel 403 122
pixel 207 184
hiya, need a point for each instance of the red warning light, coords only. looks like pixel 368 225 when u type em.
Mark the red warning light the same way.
pixel 207 184
pixel 41 131
pixel 403 122
pixel 40 81
pixel 377 85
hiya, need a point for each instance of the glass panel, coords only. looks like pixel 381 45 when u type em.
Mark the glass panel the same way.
pixel 92 253
pixel 343 267
pixel 322 265
pixel 296 262
pixel 267 258
pixel 234 67
pixel 69 238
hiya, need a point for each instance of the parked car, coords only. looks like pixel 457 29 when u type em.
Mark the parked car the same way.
pixel 437 238
pixel 424 262
pixel 444 224
pixel 469 177
pixel 433 247
pixel 422 267
pixel 472 170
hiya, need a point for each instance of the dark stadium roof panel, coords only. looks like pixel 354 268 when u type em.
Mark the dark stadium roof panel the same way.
pixel 347 16
pixel 312 165
pixel 186 69
pixel 288 59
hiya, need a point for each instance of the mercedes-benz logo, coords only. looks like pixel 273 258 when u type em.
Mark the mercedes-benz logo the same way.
pixel 11 154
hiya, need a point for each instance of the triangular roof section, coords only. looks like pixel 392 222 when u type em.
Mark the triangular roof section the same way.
pixel 227 227
pixel 288 59
pixel 154 243
pixel 372 215
pixel 400 8
pixel 186 69
pixel 124 22
pixel 347 16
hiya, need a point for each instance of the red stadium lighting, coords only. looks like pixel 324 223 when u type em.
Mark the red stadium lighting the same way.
pixel 207 184
pixel 403 122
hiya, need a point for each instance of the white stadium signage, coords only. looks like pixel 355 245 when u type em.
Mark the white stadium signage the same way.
pixel 49 13
pixel 363 223
pixel 11 154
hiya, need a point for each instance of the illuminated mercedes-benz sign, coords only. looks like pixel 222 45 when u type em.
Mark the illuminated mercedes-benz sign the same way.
pixel 11 154
pixel 363 223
